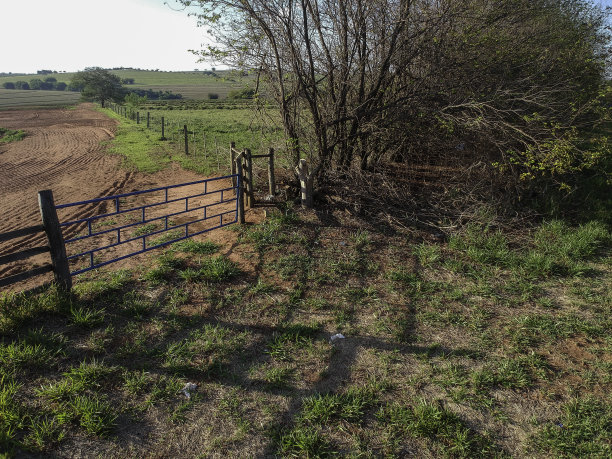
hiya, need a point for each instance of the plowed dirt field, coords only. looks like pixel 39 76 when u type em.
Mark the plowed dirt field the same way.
pixel 64 151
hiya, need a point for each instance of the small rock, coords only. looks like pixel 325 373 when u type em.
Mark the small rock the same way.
pixel 188 388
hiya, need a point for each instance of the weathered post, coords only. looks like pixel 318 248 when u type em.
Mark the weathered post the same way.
pixel 271 181
pixel 238 168
pixel 137 117
pixel 59 261
pixel 249 174
pixel 305 183
pixel 186 139
pixel 233 162
pixel 163 137
pixel 148 120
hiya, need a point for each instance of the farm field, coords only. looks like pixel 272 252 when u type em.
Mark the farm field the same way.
pixel 16 99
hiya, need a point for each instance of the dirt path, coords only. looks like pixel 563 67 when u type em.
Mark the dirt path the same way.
pixel 64 151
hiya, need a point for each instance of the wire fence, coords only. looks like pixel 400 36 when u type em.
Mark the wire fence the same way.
pixel 203 149
pixel 185 139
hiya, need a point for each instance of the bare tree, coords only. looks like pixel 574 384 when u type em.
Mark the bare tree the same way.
pixel 359 81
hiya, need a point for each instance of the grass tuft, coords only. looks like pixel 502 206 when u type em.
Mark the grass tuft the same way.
pixel 436 423
pixel 197 247
pixel 584 430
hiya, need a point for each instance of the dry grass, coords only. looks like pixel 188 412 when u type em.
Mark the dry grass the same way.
pixel 466 346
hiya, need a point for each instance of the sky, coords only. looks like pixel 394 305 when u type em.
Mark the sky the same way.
pixel 70 35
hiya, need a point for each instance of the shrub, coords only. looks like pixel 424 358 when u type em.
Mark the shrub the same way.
pixel 8 85
pixel 22 85
pixel 246 93
pixel 212 95
pixel 36 83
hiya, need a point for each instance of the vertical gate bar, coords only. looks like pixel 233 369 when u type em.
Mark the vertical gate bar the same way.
pixel 59 260
pixel 249 174
pixel 91 259
pixel 239 193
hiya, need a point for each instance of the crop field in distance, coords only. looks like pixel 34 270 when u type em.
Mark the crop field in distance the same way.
pixel 15 99
pixel 191 85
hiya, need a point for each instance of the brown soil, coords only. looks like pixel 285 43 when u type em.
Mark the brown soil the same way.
pixel 64 151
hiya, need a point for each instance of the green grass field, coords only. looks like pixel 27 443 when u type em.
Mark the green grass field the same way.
pixel 480 346
pixel 210 132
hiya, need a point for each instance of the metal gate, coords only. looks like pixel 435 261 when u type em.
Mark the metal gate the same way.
pixel 135 225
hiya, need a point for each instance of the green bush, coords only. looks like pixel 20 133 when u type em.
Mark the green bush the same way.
pixel 246 93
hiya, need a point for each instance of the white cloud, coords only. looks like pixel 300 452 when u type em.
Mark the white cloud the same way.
pixel 73 34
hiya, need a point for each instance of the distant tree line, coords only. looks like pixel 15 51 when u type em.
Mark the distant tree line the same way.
pixel 48 84
pixel 155 95
pixel 100 85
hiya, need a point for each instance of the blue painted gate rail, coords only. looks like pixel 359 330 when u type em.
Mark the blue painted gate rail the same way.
pixel 88 222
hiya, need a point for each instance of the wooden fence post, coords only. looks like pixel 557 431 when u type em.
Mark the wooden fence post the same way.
pixel 163 137
pixel 137 117
pixel 305 183
pixel 271 181
pixel 186 139
pixel 59 261
pixel 249 174
pixel 238 167
pixel 233 162
pixel 148 120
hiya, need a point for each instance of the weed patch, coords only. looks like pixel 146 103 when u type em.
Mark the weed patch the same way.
pixel 10 135
pixel 584 430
